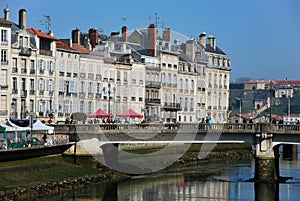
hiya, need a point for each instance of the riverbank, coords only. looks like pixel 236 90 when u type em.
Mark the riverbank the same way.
pixel 49 175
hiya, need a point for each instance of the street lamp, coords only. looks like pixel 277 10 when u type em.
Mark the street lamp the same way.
pixel 289 108
pixel 240 100
pixel 109 90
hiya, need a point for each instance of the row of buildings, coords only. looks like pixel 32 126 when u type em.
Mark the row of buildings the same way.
pixel 146 70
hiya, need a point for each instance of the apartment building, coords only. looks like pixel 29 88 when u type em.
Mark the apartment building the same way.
pixel 217 79
pixel 5 66
pixel 156 76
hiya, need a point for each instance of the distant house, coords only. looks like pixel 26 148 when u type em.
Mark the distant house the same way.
pixel 291 119
pixel 242 118
pixel 266 118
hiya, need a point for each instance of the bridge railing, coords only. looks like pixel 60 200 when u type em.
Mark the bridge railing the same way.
pixel 226 127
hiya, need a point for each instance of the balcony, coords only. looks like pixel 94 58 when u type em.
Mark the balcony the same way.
pixel 3 87
pixel 15 91
pixel 23 70
pixel 25 51
pixel 75 74
pixel 98 76
pixel 90 95
pixel 41 92
pixel 14 70
pixel 42 71
pixel 151 101
pixel 98 96
pixel 61 74
pixel 32 71
pixel 3 112
pixel 91 76
pixel 82 75
pixel 4 63
pixel 46 52
pixel 69 75
pixel 153 84
pixel 51 93
pixel 153 66
pixel 81 94
pixel 23 93
pixel 171 106
pixel 51 72
pixel 31 92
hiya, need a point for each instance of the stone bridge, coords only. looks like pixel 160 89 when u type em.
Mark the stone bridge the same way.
pixel 265 137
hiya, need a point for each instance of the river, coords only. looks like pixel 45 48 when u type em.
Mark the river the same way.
pixel 214 181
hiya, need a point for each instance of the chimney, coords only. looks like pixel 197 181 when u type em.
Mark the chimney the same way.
pixel 93 35
pixel 114 34
pixel 124 34
pixel 76 36
pixel 212 41
pixel 152 37
pixel 203 39
pixel 6 14
pixel 22 18
pixel 167 35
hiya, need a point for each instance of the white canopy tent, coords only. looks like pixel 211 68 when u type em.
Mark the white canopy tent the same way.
pixel 38 125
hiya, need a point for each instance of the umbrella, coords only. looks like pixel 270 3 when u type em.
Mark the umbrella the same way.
pixel 99 114
pixel 130 113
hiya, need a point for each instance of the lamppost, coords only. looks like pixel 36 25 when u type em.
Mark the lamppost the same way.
pixel 289 108
pixel 240 100
pixel 109 90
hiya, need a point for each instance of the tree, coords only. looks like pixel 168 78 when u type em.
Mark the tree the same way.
pixel 79 116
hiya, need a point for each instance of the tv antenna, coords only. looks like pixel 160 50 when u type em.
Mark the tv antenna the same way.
pixel 46 23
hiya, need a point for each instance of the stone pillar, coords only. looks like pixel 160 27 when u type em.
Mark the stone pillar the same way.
pixel 290 151
pixel 265 168
pixel 266 191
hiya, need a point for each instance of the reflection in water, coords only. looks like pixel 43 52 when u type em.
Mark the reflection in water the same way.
pixel 204 182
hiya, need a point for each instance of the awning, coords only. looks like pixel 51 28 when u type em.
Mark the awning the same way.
pixel 130 113
pixel 99 114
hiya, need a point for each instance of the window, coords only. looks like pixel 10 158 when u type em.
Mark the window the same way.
pixel 21 39
pixel 23 63
pixel 3 104
pixel 3 77
pixel 15 84
pixel 31 84
pixel 4 39
pixel 4 57
pixel 32 64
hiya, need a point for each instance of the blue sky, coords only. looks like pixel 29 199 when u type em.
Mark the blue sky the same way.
pixel 260 36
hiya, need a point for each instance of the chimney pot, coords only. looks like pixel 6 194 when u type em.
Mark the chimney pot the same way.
pixel 167 34
pixel 6 13
pixel 22 18
pixel 124 34
pixel 152 31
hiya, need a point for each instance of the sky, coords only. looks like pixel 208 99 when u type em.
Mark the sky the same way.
pixel 261 37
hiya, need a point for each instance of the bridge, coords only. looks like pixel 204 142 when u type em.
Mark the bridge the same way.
pixel 265 137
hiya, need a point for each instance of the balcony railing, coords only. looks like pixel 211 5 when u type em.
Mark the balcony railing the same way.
pixel 4 62
pixel 3 112
pixel 42 71
pixel 15 91
pixel 23 70
pixel 3 87
pixel 153 66
pixel 25 51
pixel 171 106
pixel 81 94
pixel 31 92
pixel 23 93
pixel 46 52
pixel 14 70
pixel 152 100
pixel 153 84
pixel 32 71
pixel 41 92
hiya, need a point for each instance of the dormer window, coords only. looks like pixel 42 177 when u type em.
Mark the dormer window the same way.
pixel 23 41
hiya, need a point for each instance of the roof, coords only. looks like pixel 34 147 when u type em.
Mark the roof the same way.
pixel 6 22
pixel 83 50
pixel 41 34
pixel 208 48
pixel 287 82
pixel 61 45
